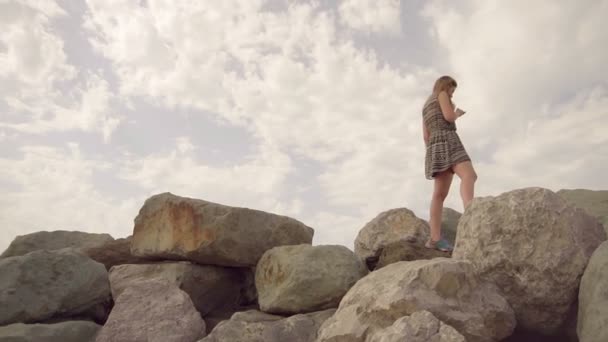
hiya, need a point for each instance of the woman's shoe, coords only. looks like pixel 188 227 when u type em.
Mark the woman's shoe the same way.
pixel 441 245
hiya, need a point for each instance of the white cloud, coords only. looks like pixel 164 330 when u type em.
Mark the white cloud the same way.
pixel 567 150
pixel 33 59
pixel 89 111
pixel 371 16
pixel 305 88
pixel 290 79
pixel 528 76
pixel 336 228
pixel 38 85
pixel 53 189
pixel 258 182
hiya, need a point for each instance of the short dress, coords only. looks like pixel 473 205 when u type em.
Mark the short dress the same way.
pixel 444 148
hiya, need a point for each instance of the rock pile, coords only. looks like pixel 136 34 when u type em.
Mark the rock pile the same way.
pixel 526 263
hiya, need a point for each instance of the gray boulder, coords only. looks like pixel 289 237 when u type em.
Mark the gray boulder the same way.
pixel 390 226
pixel 256 326
pixel 447 288
pixel 153 311
pixel 112 253
pixel 421 326
pixel 406 251
pixel 305 278
pixel 593 298
pixel 70 331
pixel 54 240
pixel 42 285
pixel 595 202
pixel 535 247
pixel 181 228
pixel 210 288
pixel 449 224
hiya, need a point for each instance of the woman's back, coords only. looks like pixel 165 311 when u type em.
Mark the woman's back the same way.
pixel 433 117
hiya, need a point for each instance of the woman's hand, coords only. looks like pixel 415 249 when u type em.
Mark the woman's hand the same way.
pixel 447 107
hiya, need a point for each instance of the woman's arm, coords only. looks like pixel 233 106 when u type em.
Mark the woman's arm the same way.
pixel 446 107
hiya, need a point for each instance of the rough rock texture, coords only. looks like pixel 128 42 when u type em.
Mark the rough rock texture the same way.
pixel 181 228
pixel 210 287
pixel 112 253
pixel 393 225
pixel 447 288
pixel 43 284
pixel 255 326
pixel 70 331
pixel 534 246
pixel 449 224
pixel 54 240
pixel 406 251
pixel 305 278
pixel 593 298
pixel 595 202
pixel 153 311
pixel 421 326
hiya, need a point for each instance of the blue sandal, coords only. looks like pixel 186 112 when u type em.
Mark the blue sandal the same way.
pixel 441 245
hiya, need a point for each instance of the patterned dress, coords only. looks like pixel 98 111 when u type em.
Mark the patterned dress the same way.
pixel 444 149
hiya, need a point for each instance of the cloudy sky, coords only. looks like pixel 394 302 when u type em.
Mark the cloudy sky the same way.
pixel 310 109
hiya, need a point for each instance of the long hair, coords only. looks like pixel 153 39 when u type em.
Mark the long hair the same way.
pixel 444 83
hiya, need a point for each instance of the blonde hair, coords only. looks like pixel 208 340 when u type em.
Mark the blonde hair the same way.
pixel 444 83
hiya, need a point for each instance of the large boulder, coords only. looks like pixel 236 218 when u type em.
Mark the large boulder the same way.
pixel 421 326
pixel 595 202
pixel 153 310
pixel 449 224
pixel 70 331
pixel 393 225
pixel 210 288
pixel 54 240
pixel 406 251
pixel 112 253
pixel 256 326
pixel 593 298
pixel 47 284
pixel 305 278
pixel 181 228
pixel 449 289
pixel 534 246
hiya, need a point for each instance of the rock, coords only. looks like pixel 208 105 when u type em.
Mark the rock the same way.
pixel 255 326
pixel 447 288
pixel 305 278
pixel 210 288
pixel 449 224
pixel 150 311
pixel 593 298
pixel 595 202
pixel 407 251
pixel 54 240
pixel 112 253
pixel 47 284
pixel 533 245
pixel 393 225
pixel 180 228
pixel 70 331
pixel 421 326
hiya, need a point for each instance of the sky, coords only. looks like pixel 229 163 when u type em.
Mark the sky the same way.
pixel 309 109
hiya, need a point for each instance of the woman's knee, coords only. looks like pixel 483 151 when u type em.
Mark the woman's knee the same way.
pixel 473 176
pixel 468 174
pixel 440 194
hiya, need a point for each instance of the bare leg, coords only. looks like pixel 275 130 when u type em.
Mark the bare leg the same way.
pixel 442 184
pixel 467 175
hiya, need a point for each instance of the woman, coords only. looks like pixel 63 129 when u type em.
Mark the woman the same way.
pixel 445 155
